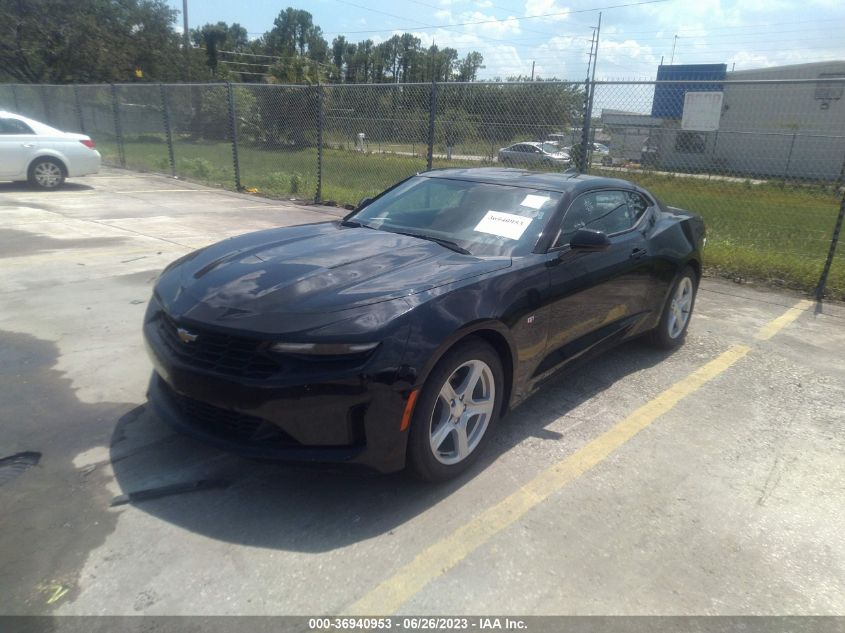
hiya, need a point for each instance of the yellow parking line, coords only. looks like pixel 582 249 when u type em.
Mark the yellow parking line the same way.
pixel 773 327
pixel 443 555
pixel 439 558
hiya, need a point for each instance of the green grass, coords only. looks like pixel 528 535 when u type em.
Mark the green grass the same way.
pixel 779 234
pixel 773 232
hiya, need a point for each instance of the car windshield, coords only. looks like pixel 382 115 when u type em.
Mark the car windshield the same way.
pixel 551 148
pixel 482 219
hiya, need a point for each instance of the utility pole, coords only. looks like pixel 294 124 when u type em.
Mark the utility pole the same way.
pixel 532 71
pixel 186 35
pixel 596 53
pixel 590 89
pixel 675 41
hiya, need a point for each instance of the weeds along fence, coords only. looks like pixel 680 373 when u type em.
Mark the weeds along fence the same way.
pixel 762 160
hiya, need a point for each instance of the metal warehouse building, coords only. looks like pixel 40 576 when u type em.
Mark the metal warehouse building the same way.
pixel 765 124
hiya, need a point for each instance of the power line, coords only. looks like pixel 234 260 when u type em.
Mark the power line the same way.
pixel 280 57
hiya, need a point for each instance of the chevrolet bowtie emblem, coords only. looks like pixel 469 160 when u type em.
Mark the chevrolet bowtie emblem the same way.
pixel 185 336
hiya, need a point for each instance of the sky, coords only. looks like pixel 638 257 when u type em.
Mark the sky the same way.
pixel 555 34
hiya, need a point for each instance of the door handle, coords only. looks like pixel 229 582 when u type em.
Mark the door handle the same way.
pixel 639 253
pixel 27 145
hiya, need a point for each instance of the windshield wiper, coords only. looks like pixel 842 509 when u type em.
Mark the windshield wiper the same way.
pixel 356 224
pixel 447 243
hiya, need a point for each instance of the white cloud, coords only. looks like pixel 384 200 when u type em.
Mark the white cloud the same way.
pixel 745 60
pixel 546 7
pixel 633 39
pixel 490 24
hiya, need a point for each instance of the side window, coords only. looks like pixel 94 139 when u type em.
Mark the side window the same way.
pixel 519 148
pixel 13 126
pixel 606 211
pixel 637 205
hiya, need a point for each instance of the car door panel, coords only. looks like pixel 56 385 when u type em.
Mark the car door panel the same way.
pixel 590 293
pixel 17 148
pixel 596 296
pixel 14 154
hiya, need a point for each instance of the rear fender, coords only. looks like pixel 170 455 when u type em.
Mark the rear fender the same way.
pixel 45 152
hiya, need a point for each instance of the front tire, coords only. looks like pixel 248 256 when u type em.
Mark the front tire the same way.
pixel 46 174
pixel 459 404
pixel 674 322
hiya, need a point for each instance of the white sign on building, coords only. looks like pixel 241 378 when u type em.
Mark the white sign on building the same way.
pixel 702 111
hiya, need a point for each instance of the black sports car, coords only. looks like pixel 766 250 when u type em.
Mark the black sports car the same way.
pixel 403 332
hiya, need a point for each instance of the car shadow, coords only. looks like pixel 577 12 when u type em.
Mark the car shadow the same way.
pixel 13 187
pixel 316 508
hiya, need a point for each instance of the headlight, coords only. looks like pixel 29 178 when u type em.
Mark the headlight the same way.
pixel 323 349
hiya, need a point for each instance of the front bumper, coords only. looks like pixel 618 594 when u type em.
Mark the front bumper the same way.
pixel 336 418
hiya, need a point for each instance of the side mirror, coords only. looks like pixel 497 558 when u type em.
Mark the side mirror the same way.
pixel 363 203
pixel 588 240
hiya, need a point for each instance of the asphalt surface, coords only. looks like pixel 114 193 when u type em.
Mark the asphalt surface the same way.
pixel 706 481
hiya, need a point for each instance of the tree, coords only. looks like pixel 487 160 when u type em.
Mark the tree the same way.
pixel 469 66
pixel 293 32
pixel 55 41
pixel 222 37
pixel 60 41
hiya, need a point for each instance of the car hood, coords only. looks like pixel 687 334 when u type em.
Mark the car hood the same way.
pixel 322 267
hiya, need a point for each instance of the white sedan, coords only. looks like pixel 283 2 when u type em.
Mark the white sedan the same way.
pixel 43 155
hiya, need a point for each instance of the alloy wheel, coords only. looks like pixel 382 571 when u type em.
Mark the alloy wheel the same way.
pixel 679 309
pixel 462 412
pixel 47 175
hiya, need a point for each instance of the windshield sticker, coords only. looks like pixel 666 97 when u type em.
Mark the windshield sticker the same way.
pixel 503 224
pixel 533 202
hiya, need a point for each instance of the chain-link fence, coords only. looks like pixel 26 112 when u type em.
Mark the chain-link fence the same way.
pixel 763 161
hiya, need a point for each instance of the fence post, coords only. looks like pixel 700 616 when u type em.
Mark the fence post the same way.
pixel 45 104
pixel 233 128
pixel 582 165
pixel 321 109
pixel 15 98
pixel 118 130
pixel 789 157
pixel 832 251
pixel 77 100
pixel 165 118
pixel 432 115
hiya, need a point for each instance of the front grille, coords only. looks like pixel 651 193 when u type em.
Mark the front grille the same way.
pixel 219 352
pixel 230 425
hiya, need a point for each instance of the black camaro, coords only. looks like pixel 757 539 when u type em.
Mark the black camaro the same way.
pixel 403 332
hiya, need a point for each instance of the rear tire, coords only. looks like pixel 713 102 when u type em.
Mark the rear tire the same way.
pixel 674 321
pixel 458 406
pixel 46 174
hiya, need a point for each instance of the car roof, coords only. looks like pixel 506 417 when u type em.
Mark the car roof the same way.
pixel 37 126
pixel 565 182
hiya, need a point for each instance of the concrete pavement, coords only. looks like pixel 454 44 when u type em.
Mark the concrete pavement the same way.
pixel 730 502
